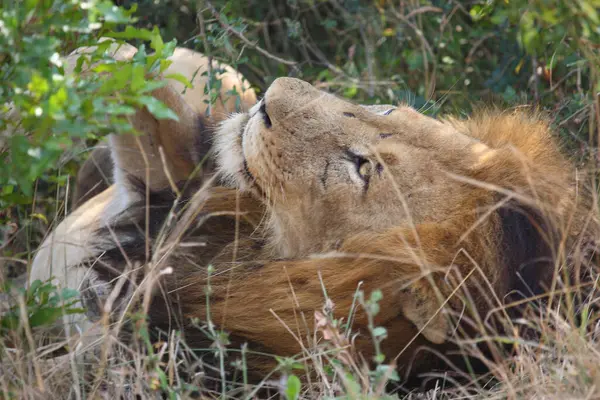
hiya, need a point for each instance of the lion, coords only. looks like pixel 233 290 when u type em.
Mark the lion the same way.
pixel 450 221
pixel 234 94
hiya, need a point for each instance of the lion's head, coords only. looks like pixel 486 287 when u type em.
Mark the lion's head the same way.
pixel 330 169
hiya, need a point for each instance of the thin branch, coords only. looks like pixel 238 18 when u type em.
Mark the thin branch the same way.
pixel 476 45
pixel 200 19
pixel 239 35
pixel 423 10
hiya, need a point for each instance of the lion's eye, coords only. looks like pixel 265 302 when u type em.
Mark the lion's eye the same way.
pixel 364 168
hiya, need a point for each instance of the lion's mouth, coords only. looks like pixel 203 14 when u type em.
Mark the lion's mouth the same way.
pixel 231 147
pixel 246 171
pixel 248 177
pixel 251 180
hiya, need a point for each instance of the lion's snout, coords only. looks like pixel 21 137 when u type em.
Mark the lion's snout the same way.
pixel 285 96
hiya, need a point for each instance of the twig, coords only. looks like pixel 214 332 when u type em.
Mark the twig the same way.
pixel 426 48
pixel 536 79
pixel 370 60
pixel 254 46
pixel 478 43
pixel 200 18
pixel 423 10
pixel 30 341
pixel 555 86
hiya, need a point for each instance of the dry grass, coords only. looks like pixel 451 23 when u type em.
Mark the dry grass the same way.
pixel 564 364
pixel 561 360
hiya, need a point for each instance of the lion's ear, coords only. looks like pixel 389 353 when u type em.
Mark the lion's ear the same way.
pixel 165 151
pixel 420 306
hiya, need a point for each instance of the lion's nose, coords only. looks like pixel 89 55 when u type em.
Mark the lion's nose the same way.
pixel 286 95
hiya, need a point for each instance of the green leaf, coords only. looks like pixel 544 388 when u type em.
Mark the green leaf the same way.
pixel 376 295
pixel 67 294
pixel 157 108
pixel 79 64
pixel 58 100
pixel 10 321
pixel 112 13
pixel 156 42
pixel 388 371
pixel 164 64
pixel 121 77
pixel 140 57
pixel 138 78
pixel 529 39
pixel 380 332
pixel 119 109
pixel 70 310
pixel 379 358
pixel 35 285
pixel 38 86
pixel 351 91
pixel 292 390
pixel 150 86
pixel 103 46
pixel 180 78
pixel 298 365
pixel 45 316
pixel 131 33
pixel 590 12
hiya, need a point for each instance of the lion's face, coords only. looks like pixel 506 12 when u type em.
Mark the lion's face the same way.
pixel 329 168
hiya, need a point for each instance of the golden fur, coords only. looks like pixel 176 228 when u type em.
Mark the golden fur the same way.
pixel 448 218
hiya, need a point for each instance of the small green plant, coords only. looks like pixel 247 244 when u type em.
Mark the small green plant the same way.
pixel 39 305
pixel 382 372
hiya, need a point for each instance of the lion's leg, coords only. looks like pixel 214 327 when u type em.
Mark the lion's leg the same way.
pixel 63 255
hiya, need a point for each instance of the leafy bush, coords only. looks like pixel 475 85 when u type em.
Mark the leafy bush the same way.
pixel 42 305
pixel 51 113
pixel 47 109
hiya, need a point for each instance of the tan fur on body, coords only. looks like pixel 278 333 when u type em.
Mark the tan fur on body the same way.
pixel 94 175
pixel 438 215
